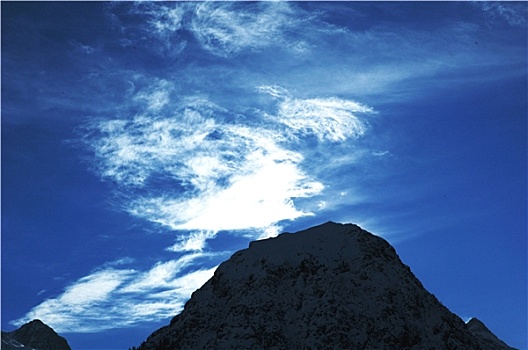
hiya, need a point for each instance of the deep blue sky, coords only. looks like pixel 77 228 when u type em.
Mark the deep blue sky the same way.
pixel 142 144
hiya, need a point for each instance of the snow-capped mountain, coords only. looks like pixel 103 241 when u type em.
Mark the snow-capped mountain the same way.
pixel 34 335
pixel 332 286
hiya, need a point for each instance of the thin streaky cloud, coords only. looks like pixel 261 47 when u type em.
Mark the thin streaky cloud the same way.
pixel 112 298
pixel 67 311
pixel 94 288
pixel 157 277
pixel 194 241
pixel 513 13
pixel 156 96
pixel 332 119
pixel 222 29
pixel 120 262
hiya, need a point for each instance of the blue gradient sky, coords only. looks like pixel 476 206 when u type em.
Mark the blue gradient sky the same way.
pixel 144 143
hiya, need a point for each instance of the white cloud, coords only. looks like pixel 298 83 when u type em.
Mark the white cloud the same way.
pixel 221 28
pixel 193 241
pixel 113 298
pixel 225 28
pixel 156 96
pixel 185 285
pixel 157 277
pixel 79 300
pixel 94 288
pixel 270 232
pixel 121 261
pixel 156 26
pixel 274 90
pixel 256 199
pixel 130 151
pixel 161 275
pixel 223 176
pixel 332 118
pixel 84 49
pixel 166 20
pixel 515 14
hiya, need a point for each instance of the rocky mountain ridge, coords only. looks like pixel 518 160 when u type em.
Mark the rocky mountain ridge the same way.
pixel 486 337
pixel 33 335
pixel 332 286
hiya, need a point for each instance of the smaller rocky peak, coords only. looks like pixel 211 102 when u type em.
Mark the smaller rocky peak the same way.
pixel 35 334
pixel 36 324
pixel 476 324
pixel 485 336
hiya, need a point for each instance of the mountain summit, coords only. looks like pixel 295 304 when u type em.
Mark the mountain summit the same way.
pixel 34 335
pixel 332 286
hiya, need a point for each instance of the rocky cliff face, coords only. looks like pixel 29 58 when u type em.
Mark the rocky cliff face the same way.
pixel 34 335
pixel 485 336
pixel 330 287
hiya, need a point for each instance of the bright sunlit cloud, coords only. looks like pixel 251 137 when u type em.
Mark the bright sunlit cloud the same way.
pixel 224 176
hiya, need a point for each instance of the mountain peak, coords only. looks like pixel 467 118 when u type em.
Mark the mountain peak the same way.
pixel 330 286
pixel 36 335
pixel 36 324
pixel 479 329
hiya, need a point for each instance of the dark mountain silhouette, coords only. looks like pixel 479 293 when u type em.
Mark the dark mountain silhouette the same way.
pixel 33 335
pixel 486 337
pixel 329 287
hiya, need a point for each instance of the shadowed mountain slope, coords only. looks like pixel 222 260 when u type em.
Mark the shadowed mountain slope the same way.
pixel 34 335
pixel 329 287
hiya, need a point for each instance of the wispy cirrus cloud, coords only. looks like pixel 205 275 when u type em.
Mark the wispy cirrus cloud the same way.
pixel 193 241
pixel 156 96
pixel 76 308
pixel 217 174
pixel 228 28
pixel 514 13
pixel 385 60
pixel 161 275
pixel 221 28
pixel 330 119
pixel 113 298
